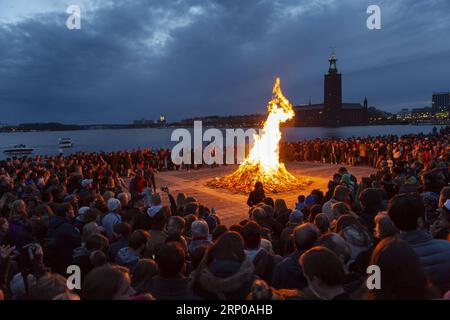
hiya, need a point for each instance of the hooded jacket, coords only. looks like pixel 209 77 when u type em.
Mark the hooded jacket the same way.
pixel 357 238
pixel 225 280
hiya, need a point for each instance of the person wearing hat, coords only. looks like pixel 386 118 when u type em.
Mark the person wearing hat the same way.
pixel 410 185
pixel 112 217
pixel 85 191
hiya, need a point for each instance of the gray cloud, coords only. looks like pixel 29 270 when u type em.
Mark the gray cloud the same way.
pixel 136 58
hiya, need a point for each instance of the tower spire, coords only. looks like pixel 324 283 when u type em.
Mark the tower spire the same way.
pixel 332 60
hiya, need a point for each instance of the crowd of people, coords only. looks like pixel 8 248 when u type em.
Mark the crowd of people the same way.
pixel 102 214
pixel 371 151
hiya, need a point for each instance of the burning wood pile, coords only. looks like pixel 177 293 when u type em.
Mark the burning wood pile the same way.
pixel 262 163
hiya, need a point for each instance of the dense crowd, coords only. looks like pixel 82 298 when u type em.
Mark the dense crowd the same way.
pixel 102 213
pixel 371 151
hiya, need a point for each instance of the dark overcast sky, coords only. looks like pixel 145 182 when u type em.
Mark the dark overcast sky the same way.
pixel 142 58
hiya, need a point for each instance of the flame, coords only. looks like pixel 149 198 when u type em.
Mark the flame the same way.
pixel 262 163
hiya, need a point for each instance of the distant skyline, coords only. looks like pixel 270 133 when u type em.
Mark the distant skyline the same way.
pixel 136 59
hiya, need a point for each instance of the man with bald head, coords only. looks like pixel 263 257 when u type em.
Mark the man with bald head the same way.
pixel 288 274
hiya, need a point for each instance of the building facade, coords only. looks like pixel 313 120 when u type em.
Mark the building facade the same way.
pixel 440 102
pixel 332 112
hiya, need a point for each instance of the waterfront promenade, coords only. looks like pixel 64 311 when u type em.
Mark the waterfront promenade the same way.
pixel 231 207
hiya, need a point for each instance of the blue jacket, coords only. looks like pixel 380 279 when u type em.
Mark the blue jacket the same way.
pixel 288 274
pixel 434 255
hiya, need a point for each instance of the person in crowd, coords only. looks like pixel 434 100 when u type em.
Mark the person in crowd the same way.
pixel 264 261
pixel 4 228
pixel 341 194
pixel 332 184
pixel 107 282
pixel 257 195
pixel 200 234
pixel 281 212
pixel 356 235
pixel 137 185
pixel 48 287
pixel 112 217
pixel 225 272
pixel 218 231
pixel 157 233
pixel 300 202
pixel 402 274
pixel 440 229
pixel 18 231
pixel 175 227
pixel 384 227
pixel 130 255
pixel 407 211
pixel 121 236
pixel 324 273
pixel 288 274
pixel 156 205
pixel 142 276
pixel 82 254
pixel 296 218
pixel 170 283
pixel 353 281
pixel 67 236
pixel 371 203
pixel 322 223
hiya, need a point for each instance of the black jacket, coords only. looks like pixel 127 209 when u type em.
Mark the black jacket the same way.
pixel 172 288
pixel 67 238
pixel 255 197
pixel 265 264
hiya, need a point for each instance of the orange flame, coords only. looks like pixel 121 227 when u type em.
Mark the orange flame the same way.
pixel 265 151
pixel 262 163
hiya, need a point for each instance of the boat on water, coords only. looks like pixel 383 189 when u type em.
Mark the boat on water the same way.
pixel 65 143
pixel 18 149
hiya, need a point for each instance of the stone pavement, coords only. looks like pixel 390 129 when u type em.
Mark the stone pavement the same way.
pixel 231 207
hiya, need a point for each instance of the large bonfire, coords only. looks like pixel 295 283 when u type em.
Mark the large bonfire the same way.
pixel 262 163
